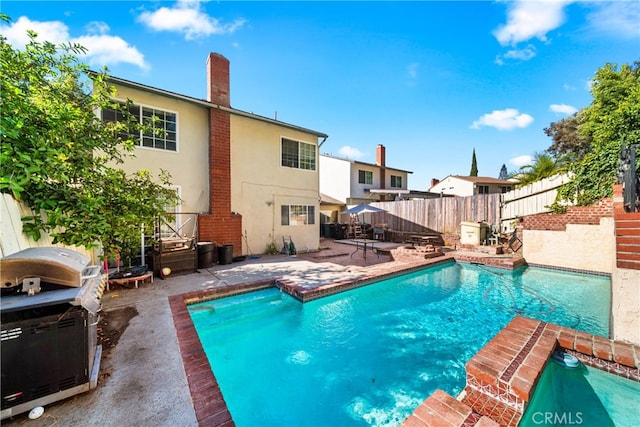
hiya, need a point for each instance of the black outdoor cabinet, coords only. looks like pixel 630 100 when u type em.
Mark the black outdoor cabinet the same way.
pixel 45 351
pixel 180 261
pixel 341 231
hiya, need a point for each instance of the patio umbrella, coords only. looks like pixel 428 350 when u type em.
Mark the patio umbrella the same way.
pixel 363 208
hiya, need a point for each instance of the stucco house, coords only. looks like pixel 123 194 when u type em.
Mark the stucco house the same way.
pixel 352 182
pixel 249 179
pixel 459 185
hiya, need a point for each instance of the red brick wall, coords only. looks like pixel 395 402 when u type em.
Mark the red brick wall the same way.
pixel 574 215
pixel 223 230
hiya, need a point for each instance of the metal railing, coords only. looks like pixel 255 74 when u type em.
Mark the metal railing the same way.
pixel 628 177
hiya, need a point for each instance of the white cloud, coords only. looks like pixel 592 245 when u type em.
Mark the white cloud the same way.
pixel 187 17
pixel 528 19
pixel 521 161
pixel 53 31
pixel 506 119
pixel 617 18
pixel 563 109
pixel 568 87
pixel 111 50
pixel 351 152
pixel 522 54
pixel 102 49
pixel 517 54
pixel 97 27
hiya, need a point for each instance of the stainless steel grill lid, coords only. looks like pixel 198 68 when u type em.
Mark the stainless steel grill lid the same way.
pixel 58 266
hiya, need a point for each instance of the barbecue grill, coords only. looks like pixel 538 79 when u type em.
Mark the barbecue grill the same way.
pixel 49 307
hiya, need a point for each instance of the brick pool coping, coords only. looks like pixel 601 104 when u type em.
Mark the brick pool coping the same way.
pixel 502 376
pixel 440 408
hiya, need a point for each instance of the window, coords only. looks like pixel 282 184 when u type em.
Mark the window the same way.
pixel 297 215
pixel 396 181
pixel 162 129
pixel 365 177
pixel 297 154
pixel 161 126
pixel 483 189
pixel 505 189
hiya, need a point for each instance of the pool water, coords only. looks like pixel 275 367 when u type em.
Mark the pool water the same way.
pixel 583 396
pixel 371 355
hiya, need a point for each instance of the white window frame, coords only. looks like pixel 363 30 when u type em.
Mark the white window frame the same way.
pixel 296 215
pixel 140 138
pixel 299 162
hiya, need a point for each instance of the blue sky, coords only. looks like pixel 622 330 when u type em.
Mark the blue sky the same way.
pixel 429 80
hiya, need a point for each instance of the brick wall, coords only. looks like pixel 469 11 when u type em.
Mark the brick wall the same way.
pixel 586 215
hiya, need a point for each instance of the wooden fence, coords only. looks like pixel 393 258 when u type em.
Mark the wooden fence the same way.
pixel 532 199
pixel 442 215
pixel 12 239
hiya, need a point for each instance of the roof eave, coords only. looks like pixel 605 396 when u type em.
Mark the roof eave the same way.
pixel 205 103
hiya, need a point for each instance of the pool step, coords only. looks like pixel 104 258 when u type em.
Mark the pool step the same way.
pixel 242 306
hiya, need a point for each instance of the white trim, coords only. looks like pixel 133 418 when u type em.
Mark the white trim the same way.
pixel 299 141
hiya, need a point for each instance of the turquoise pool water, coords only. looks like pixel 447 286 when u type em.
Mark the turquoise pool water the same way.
pixel 371 355
pixel 583 396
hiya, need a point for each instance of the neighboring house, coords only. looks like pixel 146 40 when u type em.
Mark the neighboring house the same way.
pixel 251 180
pixel 458 185
pixel 352 182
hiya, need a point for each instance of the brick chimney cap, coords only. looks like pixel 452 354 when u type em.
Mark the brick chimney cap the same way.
pixel 219 55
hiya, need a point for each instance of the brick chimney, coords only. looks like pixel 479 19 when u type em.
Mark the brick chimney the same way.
pixel 434 181
pixel 381 160
pixel 220 225
pixel 218 80
pixel 381 156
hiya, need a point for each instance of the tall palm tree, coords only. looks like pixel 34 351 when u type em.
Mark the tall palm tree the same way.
pixel 543 166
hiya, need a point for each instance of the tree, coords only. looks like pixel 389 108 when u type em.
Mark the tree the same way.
pixel 503 172
pixel 543 166
pixel 612 117
pixel 474 164
pixel 59 159
pixel 567 139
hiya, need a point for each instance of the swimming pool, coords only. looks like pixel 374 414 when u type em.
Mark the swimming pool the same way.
pixel 583 396
pixel 369 356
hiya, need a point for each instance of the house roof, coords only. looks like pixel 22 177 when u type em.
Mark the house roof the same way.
pixel 205 103
pixel 328 200
pixel 364 163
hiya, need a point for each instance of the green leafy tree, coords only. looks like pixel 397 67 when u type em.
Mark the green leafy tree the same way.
pixel 612 117
pixel 60 160
pixel 567 139
pixel 474 164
